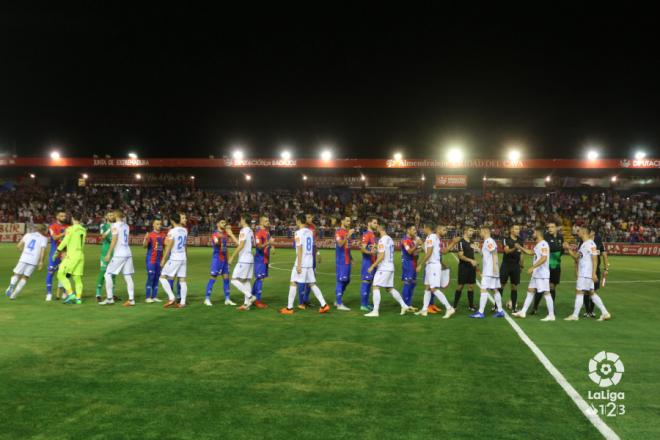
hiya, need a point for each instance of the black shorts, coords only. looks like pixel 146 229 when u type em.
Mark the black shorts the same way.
pixel 467 274
pixel 509 271
pixel 555 276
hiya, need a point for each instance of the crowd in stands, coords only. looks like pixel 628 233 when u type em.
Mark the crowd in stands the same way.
pixel 619 216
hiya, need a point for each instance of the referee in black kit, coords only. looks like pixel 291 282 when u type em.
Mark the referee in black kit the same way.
pixel 511 264
pixel 467 268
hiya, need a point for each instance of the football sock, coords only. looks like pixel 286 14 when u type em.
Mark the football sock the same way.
pixel 483 299
pixel 339 292
pixel 130 287
pixel 552 293
pixel 301 293
pixel 364 293
pixel 457 297
pixel 167 286
pixel 241 286
pixel 528 302
pixel 427 300
pixel 319 296
pixel 183 286
pixel 498 301
pixel 61 277
pixel 397 297
pixel 147 288
pixel 376 298
pixel 514 298
pixel 537 300
pixel 587 304
pixel 257 287
pixel 411 293
pixel 307 293
pixel 209 287
pixel 19 286
pixel 443 299
pixel 599 303
pixel 579 299
pixel 471 298
pixel 13 281
pixel 49 282
pixel 225 285
pixel 108 285
pixel 292 296
pixel 550 304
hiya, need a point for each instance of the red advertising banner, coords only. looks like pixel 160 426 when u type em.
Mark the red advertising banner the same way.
pixel 42 162
pixel 650 249
pixel 451 181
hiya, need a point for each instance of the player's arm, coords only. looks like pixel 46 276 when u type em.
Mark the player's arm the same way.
pixel 145 242
pixel 445 250
pixel 364 250
pixel 507 249
pixel 522 249
pixel 113 243
pixel 594 264
pixel 380 257
pixel 241 245
pixel 262 243
pixel 299 253
pixel 544 257
pixel 231 235
pixel 462 257
pixel 572 252
pixel 341 240
pixel 427 255
pixel 606 260
pixel 21 244
pixel 42 257
pixel 495 264
pixel 166 250
pixel 64 243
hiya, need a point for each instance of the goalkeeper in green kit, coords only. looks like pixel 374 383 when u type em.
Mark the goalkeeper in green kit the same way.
pixel 73 264
pixel 106 236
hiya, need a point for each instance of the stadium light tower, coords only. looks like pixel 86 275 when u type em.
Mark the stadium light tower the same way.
pixel 55 155
pixel 455 154
pixel 286 155
pixel 238 154
pixel 132 155
pixel 326 154
pixel 514 155
pixel 639 155
pixel 592 154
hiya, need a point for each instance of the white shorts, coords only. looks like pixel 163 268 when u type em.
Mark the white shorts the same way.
pixel 433 275
pixel 584 283
pixel 306 276
pixel 243 271
pixel 123 265
pixel 384 279
pixel 490 283
pixel 540 284
pixel 23 268
pixel 444 277
pixel 174 269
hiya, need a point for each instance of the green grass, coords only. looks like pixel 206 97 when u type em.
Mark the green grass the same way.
pixel 91 372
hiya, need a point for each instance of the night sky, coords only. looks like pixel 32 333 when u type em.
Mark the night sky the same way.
pixel 367 80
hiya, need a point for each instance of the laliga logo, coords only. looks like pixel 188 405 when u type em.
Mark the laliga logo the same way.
pixel 605 369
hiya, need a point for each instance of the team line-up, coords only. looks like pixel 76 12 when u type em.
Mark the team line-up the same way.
pixel 166 262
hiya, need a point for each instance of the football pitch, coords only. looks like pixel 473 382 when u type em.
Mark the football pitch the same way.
pixel 94 372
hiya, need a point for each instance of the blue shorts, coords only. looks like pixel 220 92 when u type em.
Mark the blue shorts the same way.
pixel 53 264
pixel 260 270
pixel 343 272
pixel 219 267
pixel 409 276
pixel 153 268
pixel 366 276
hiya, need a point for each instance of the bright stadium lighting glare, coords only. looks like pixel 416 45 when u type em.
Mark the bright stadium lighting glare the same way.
pixel 639 155
pixel 286 155
pixel 132 155
pixel 55 155
pixel 514 155
pixel 237 154
pixel 32 176
pixel 138 176
pixel 548 178
pixel 85 176
pixel 592 155
pixel 363 177
pixel 248 177
pixel 304 177
pixel 326 154
pixel 614 178
pixel 485 178
pixel 455 155
pixel 192 177
pixel 398 156
pixel 423 177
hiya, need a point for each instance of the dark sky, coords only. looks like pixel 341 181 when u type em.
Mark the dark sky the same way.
pixel 366 79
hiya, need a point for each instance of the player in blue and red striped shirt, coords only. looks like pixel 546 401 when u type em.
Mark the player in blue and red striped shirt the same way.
pixel 56 233
pixel 343 260
pixel 411 245
pixel 219 261
pixel 154 242
pixel 369 252
pixel 263 249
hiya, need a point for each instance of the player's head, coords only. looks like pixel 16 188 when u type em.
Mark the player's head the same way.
pixel 309 218
pixel 110 217
pixel 380 227
pixel 119 215
pixel 429 227
pixel 538 233
pixel 244 219
pixel 41 228
pixel 592 232
pixel 468 232
pixel 515 230
pixel 264 221
pixel 552 227
pixel 372 223
pixel 301 220
pixel 76 217
pixel 221 225
pixel 411 230
pixel 583 233
pixel 484 231
pixel 176 219
pixel 157 224
pixel 441 230
pixel 184 219
pixel 60 216
pixel 346 222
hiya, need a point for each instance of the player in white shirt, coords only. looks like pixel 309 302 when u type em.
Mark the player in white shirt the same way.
pixel 384 277
pixel 302 273
pixel 244 269
pixel 434 275
pixel 120 260
pixel 490 275
pixel 540 272
pixel 33 246
pixel 587 260
pixel 174 261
